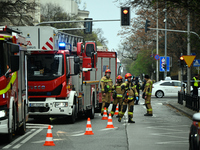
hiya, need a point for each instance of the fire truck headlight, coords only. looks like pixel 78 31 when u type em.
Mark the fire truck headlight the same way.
pixel 2 113
pixel 61 104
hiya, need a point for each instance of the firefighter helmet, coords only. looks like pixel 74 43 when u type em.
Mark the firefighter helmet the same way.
pixel 107 71
pixel 128 75
pixel 119 77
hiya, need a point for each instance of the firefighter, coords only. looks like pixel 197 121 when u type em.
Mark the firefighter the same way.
pixel 128 98
pixel 147 95
pixel 117 95
pixel 106 89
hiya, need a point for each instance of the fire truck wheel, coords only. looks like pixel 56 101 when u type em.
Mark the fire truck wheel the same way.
pixel 91 113
pixel 73 117
pixel 22 129
pixel 194 138
pixel 10 134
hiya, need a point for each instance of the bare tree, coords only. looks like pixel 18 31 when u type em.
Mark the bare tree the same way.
pixel 17 12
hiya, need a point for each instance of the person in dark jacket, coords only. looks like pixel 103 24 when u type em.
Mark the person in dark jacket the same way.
pixel 137 86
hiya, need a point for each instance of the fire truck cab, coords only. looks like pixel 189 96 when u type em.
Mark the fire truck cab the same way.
pixel 13 83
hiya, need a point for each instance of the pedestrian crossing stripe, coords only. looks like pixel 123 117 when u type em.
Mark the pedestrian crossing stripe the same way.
pixel 196 62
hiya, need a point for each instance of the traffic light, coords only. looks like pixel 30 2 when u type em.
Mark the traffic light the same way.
pixel 125 16
pixel 88 26
pixel 147 24
pixel 181 62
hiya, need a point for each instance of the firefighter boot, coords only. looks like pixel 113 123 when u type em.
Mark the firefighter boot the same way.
pixel 148 114
pixel 119 119
pixel 130 120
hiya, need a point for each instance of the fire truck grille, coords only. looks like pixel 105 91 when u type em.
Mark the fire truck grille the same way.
pixel 56 91
pixel 37 99
pixel 40 109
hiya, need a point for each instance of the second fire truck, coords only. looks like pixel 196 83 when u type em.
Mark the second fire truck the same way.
pixel 62 76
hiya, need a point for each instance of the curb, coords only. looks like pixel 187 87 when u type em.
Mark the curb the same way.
pixel 184 110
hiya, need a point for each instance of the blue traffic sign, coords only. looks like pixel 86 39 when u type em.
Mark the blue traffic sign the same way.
pixel 162 61
pixel 196 63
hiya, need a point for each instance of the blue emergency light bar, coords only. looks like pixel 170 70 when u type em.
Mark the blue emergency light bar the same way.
pixel 62 44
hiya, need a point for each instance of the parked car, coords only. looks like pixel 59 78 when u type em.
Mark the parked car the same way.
pixel 166 88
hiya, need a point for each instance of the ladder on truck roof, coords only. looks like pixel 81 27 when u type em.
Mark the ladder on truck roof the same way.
pixel 69 38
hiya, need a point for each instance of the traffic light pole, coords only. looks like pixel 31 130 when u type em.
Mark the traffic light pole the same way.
pixel 75 21
pixel 165 72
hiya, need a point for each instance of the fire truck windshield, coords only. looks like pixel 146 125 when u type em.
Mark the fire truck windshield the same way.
pixel 43 67
pixel 4 66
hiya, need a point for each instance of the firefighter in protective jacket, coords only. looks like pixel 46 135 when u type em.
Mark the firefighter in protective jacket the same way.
pixel 117 95
pixel 129 93
pixel 106 89
pixel 147 92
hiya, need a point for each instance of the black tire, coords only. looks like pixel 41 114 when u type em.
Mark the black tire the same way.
pixel 10 134
pixel 91 112
pixel 22 129
pixel 159 94
pixel 73 116
pixel 194 138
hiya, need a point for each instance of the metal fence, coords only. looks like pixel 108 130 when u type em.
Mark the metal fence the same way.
pixel 191 101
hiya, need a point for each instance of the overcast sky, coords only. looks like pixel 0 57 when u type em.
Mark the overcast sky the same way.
pixel 105 9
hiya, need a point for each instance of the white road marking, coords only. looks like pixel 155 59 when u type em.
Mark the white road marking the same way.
pixel 31 126
pixel 18 139
pixel 109 129
pixel 78 131
pixel 26 139
pixel 43 141
pixel 173 142
pixel 168 133
pixel 164 128
pixel 78 134
pixel 173 136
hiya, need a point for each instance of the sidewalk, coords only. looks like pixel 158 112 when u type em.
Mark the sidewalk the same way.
pixel 182 108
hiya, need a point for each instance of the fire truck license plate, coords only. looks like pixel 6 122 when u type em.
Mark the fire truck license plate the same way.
pixel 36 104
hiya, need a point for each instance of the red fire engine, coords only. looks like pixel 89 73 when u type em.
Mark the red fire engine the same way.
pixel 13 83
pixel 61 74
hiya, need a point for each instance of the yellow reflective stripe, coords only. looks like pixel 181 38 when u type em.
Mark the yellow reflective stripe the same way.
pixel 2 39
pixel 106 80
pixel 118 86
pixel 149 109
pixel 102 89
pixel 12 80
pixel 147 84
pixel 130 113
pixel 119 95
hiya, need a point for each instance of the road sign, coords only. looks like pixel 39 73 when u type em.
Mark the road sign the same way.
pixel 156 57
pixel 162 61
pixel 196 63
pixel 189 59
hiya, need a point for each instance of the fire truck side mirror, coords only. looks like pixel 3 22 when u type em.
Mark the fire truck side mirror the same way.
pixel 76 60
pixel 14 48
pixel 76 68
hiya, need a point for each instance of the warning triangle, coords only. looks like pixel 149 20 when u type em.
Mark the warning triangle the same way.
pixel 189 59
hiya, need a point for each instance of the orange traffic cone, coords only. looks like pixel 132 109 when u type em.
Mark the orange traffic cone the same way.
pixel 105 117
pixel 49 138
pixel 110 124
pixel 88 130
pixel 117 110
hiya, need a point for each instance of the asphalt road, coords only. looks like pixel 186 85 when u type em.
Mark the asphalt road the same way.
pixel 167 129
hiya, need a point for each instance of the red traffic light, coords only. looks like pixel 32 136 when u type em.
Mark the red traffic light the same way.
pixel 181 58
pixel 125 11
